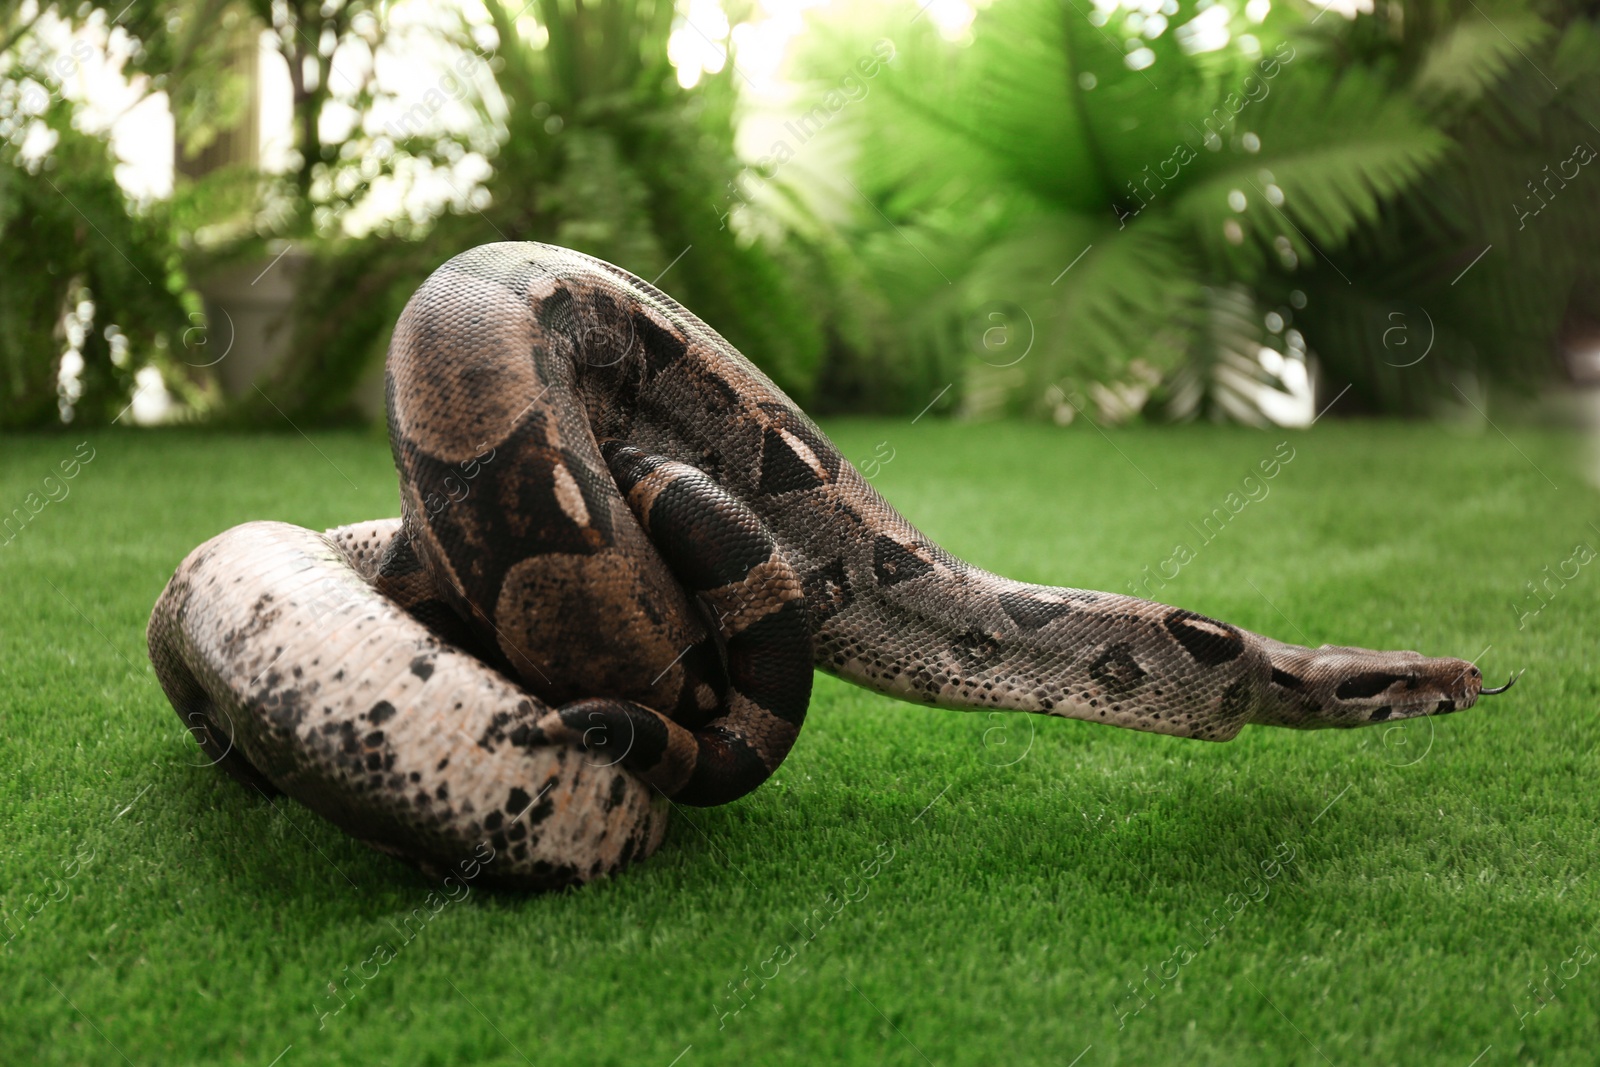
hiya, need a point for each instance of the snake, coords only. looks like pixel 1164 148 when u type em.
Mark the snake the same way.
pixel 622 551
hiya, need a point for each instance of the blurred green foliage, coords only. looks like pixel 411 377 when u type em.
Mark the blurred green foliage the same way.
pixel 1066 210
pixel 596 147
pixel 1313 183
pixel 69 246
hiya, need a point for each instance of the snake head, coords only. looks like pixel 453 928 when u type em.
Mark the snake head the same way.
pixel 1334 686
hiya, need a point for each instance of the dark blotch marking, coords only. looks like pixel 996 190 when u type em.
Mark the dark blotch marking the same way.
pixel 1381 714
pixel 894 563
pixel 381 713
pixel 1235 701
pixel 1444 706
pixel 974 649
pixel 782 471
pixel 286 708
pixel 770 663
pixel 719 396
pixel 1031 613
pixel 526 735
pixel 517 800
pixel 1116 670
pixel 781 417
pixel 556 312
pixel 400 559
pixel 542 810
pixel 1206 645
pixel 827 592
pixel 1286 680
pixel 606 344
pixel 662 348
pixel 619 789
pixel 422 667
pixel 1368 684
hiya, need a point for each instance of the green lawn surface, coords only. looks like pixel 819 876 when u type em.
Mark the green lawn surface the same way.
pixel 913 887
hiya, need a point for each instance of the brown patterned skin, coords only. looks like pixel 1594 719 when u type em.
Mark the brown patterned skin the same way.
pixel 294 674
pixel 515 364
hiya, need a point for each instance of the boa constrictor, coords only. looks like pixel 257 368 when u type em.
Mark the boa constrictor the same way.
pixel 622 550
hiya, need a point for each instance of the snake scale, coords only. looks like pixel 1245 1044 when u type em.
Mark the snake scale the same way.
pixel 622 550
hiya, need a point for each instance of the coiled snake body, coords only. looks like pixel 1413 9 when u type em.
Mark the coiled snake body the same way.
pixel 622 551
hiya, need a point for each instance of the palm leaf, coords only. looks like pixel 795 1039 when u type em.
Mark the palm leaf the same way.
pixel 1310 185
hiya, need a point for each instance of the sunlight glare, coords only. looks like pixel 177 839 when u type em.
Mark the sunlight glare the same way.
pixel 952 17
pixel 1206 32
pixel 1348 8
pixel 696 46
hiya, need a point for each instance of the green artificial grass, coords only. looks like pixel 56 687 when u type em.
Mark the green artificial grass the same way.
pixel 915 886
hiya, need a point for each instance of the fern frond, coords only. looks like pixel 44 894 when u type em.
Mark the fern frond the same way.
pixel 1311 184
pixel 1471 56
